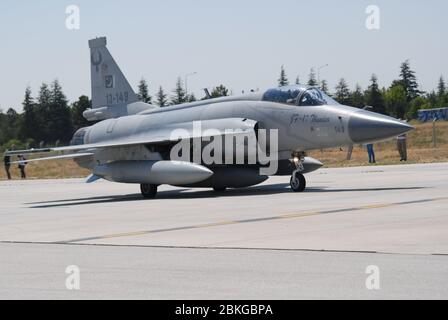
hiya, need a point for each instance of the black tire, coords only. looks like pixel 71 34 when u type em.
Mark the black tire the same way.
pixel 149 191
pixel 219 189
pixel 298 182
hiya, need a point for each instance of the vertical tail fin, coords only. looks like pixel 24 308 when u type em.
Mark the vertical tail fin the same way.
pixel 109 85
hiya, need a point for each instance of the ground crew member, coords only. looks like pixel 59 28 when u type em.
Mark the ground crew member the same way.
pixel 402 147
pixel 7 162
pixel 371 153
pixel 22 164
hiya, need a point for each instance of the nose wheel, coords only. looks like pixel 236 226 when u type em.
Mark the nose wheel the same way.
pixel 297 182
pixel 149 191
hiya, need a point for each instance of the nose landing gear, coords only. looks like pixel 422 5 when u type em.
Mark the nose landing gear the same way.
pixel 298 181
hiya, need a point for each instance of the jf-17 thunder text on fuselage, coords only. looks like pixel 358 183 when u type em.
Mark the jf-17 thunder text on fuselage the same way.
pixel 134 142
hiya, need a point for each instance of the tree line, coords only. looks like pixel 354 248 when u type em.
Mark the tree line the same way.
pixel 48 119
pixel 402 99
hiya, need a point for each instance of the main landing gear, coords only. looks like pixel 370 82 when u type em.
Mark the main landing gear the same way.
pixel 298 181
pixel 149 191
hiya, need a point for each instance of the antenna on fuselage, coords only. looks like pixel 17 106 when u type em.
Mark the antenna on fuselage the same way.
pixel 207 93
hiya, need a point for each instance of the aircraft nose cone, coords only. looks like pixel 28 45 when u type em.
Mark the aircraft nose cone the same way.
pixel 366 127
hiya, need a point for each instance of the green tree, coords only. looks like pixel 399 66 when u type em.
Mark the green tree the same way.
pixel 441 87
pixel 77 109
pixel 162 100
pixel 3 125
pixel 9 125
pixel 342 94
pixel 324 86
pixel 312 78
pixel 442 95
pixel 42 109
pixel 143 93
pixel 409 81
pixel 283 80
pixel 219 91
pixel 44 96
pixel 30 128
pixel 191 97
pixel 179 95
pixel 432 99
pixel 54 114
pixel 396 101
pixel 14 144
pixel 357 97
pixel 63 130
pixel 417 104
pixel 374 96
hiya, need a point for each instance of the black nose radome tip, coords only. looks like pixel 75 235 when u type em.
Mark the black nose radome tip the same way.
pixel 370 127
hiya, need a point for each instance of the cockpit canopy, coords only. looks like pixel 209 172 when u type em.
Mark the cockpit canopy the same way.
pixel 298 95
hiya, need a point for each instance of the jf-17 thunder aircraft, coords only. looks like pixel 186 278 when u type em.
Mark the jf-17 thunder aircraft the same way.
pixel 226 142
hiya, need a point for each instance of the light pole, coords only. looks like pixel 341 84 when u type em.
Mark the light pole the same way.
pixel 186 81
pixel 434 137
pixel 318 72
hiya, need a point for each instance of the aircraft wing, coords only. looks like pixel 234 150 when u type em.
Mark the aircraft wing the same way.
pixel 166 134
pixel 64 156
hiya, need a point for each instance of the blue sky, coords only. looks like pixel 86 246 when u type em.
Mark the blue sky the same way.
pixel 241 44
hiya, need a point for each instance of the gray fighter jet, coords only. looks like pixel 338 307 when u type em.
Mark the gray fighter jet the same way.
pixel 133 142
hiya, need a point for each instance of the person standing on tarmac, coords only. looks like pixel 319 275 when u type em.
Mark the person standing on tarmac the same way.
pixel 7 163
pixel 22 164
pixel 402 147
pixel 371 153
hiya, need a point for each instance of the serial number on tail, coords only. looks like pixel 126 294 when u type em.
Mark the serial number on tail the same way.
pixel 119 97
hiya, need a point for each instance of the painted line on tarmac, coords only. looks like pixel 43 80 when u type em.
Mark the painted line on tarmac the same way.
pixel 147 246
pixel 285 216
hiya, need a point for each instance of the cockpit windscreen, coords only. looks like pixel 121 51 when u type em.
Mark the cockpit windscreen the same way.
pixel 288 94
pixel 299 96
pixel 315 97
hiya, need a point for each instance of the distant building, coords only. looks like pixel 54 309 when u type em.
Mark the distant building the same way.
pixel 425 115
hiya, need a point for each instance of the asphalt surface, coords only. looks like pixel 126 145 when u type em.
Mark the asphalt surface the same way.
pixel 263 242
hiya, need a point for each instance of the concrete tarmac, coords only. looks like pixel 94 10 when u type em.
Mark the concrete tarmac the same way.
pixel 264 242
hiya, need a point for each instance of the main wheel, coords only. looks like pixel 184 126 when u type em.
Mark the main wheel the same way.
pixel 219 189
pixel 148 191
pixel 298 182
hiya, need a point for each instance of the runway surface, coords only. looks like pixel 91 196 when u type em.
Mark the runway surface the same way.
pixel 264 242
